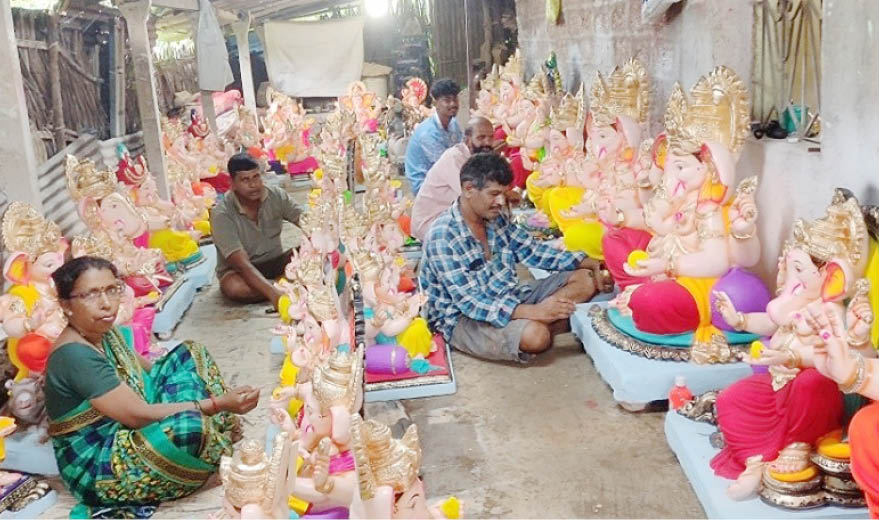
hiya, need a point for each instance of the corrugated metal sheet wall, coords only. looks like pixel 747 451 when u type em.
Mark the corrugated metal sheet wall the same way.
pixel 57 203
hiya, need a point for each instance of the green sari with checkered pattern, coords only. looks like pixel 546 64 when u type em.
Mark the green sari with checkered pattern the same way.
pixel 105 464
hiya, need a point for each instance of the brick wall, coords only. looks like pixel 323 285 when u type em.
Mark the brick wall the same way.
pixel 693 37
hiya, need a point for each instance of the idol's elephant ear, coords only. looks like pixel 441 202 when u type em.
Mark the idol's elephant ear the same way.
pixel 838 280
pixel 17 268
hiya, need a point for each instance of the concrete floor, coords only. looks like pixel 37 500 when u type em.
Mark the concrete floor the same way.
pixel 542 441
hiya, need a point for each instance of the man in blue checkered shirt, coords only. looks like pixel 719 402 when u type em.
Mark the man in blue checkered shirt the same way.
pixel 475 299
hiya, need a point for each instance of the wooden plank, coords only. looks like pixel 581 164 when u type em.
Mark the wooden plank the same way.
pixel 32 44
pixel 117 78
pixel 75 66
pixel 55 81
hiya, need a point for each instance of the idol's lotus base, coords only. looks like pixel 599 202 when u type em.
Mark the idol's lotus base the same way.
pixel 689 441
pixel 636 380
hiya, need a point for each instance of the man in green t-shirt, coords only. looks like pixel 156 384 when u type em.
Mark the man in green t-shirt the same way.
pixel 246 226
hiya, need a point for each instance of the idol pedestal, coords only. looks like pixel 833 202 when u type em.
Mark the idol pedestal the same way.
pixel 202 274
pixel 174 307
pixel 25 454
pixel 689 442
pixel 428 385
pixel 636 380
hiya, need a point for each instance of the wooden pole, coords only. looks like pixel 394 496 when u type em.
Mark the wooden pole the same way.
pixel 18 176
pixel 467 48
pixel 136 14
pixel 55 81
pixel 117 79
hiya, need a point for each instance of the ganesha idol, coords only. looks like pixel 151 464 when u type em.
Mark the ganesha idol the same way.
pixel 365 106
pixel 413 95
pixel 387 471
pixel 562 173
pixel 310 290
pixel 613 126
pixel 212 156
pixel 179 247
pixel 112 218
pixel 327 480
pixel 287 134
pixel 256 486
pixel 525 130
pixel 29 310
pixel 513 108
pixel 391 314
pixel 772 420
pixel 188 192
pixel 704 234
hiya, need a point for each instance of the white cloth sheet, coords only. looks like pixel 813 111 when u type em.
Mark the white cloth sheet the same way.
pixel 214 71
pixel 314 59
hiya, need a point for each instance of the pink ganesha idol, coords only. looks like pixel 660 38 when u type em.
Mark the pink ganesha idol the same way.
pixel 610 212
pixel 387 471
pixel 704 233
pixel 179 244
pixel 365 106
pixel 29 309
pixel 327 480
pixel 113 218
pixel 773 420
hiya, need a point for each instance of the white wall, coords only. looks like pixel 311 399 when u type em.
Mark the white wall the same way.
pixel 799 184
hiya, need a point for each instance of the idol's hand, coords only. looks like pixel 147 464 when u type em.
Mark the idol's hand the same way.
pixel 769 357
pixel 647 267
pixel 744 216
pixel 859 319
pixel 831 354
pixel 726 308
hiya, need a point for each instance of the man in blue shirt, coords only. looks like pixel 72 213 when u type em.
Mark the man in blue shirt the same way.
pixel 434 135
pixel 468 270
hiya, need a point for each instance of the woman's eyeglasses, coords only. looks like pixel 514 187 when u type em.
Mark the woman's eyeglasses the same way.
pixel 93 296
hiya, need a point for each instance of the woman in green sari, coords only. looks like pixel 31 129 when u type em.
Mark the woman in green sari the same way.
pixel 127 432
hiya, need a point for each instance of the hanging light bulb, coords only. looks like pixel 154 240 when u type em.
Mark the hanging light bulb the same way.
pixel 376 8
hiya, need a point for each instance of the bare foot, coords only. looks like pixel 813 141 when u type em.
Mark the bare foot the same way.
pixel 792 459
pixel 748 483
